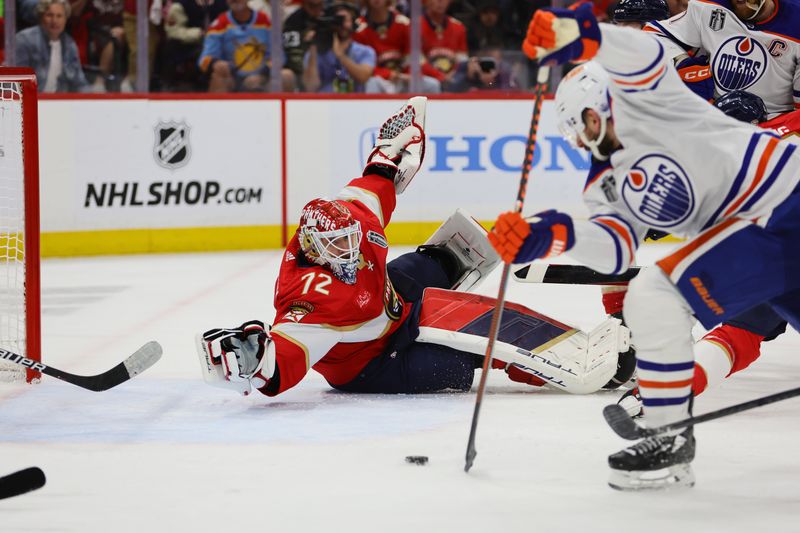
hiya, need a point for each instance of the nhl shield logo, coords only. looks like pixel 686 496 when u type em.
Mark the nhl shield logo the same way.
pixel 717 21
pixel 171 148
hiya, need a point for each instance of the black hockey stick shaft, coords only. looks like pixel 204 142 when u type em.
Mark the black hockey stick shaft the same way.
pixel 571 275
pixel 21 482
pixel 627 428
pixel 136 363
pixel 541 86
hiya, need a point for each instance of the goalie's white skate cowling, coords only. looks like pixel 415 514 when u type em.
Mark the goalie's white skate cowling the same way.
pixel 673 477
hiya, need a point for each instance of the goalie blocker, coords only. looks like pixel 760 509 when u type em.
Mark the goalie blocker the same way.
pixel 463 242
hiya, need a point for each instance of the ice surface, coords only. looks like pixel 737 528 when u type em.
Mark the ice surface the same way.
pixel 165 452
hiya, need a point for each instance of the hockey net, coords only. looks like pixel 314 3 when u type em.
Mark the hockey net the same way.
pixel 19 221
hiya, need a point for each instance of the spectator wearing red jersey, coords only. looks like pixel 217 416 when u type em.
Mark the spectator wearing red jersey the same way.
pixel 388 33
pixel 444 40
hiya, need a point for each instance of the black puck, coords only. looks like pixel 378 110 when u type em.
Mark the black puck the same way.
pixel 417 459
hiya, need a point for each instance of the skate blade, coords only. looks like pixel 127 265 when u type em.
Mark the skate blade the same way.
pixel 673 477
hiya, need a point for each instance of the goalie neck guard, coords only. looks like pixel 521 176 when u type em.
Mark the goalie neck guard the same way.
pixel 330 236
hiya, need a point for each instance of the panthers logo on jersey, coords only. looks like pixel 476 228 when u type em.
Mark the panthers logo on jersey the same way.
pixel 738 63
pixel 658 192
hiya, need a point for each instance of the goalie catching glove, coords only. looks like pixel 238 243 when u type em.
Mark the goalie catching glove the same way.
pixel 545 235
pixel 557 36
pixel 400 147
pixel 237 358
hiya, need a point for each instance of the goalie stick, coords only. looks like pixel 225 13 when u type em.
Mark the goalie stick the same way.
pixel 134 364
pixel 542 76
pixel 627 428
pixel 571 274
pixel 20 482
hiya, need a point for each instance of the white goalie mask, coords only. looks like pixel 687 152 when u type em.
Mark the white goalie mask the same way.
pixel 330 236
pixel 586 86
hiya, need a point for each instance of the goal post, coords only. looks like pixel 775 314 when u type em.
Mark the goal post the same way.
pixel 20 304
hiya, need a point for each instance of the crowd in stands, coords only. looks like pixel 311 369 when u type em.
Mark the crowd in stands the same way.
pixel 329 46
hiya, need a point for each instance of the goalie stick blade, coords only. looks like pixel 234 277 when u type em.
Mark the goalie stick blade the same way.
pixel 571 275
pixel 133 365
pixel 622 424
pixel 21 482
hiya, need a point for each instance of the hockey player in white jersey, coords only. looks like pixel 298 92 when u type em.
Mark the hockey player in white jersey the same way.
pixel 753 45
pixel 664 163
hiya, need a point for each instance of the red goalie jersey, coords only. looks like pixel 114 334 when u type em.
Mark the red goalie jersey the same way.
pixel 326 324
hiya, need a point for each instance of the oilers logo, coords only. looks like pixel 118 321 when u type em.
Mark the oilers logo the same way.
pixel 658 191
pixel 738 63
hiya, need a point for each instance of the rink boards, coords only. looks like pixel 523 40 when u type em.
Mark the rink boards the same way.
pixel 191 173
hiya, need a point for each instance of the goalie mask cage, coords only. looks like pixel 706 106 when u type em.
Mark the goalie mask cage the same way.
pixel 20 327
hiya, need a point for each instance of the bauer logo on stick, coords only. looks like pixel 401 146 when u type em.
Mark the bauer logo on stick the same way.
pixel 658 191
pixel 172 148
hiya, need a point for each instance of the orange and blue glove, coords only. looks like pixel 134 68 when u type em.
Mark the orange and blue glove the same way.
pixel 557 36
pixel 518 241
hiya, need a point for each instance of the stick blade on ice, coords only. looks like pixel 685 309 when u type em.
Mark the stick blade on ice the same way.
pixel 21 482
pixel 622 423
pixel 143 358
pixel 133 365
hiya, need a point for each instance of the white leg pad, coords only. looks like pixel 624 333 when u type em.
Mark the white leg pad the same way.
pixel 574 362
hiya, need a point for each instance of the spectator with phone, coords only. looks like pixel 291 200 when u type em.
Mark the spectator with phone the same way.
pixel 335 63
pixel 484 72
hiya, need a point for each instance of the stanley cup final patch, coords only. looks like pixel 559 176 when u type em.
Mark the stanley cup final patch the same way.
pixel 171 149
pixel 376 238
pixel 717 21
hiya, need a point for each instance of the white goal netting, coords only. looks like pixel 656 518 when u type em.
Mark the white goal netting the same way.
pixel 12 230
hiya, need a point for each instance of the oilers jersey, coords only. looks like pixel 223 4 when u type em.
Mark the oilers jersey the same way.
pixel 762 58
pixel 684 166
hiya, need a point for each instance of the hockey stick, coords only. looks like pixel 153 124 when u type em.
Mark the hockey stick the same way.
pixel 21 482
pixel 571 274
pixel 134 364
pixel 541 84
pixel 627 428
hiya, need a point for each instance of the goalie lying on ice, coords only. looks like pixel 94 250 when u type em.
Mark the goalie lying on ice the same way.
pixel 405 326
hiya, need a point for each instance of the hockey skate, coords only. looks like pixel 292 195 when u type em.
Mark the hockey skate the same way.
pixel 655 463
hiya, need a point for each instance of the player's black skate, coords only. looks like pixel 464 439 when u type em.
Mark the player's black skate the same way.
pixel 631 401
pixel 659 462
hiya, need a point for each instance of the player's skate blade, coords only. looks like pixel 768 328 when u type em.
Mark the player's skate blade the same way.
pixel 672 477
